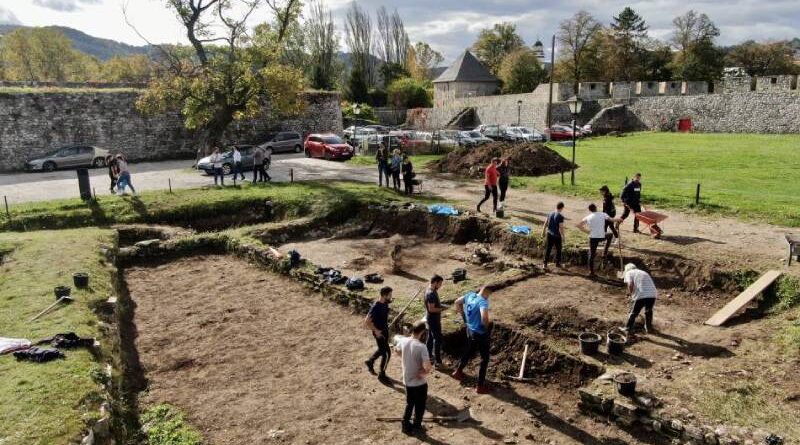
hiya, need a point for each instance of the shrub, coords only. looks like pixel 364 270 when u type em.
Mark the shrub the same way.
pixel 408 93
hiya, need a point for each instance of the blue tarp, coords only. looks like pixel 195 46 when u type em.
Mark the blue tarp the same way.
pixel 522 230
pixel 442 209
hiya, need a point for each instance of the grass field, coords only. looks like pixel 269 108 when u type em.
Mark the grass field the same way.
pixel 419 161
pixel 750 176
pixel 46 403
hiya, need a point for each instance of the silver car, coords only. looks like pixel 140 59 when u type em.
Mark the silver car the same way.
pixel 69 157
pixel 285 141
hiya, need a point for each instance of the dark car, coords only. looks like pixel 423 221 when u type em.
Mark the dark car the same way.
pixel 69 156
pixel 327 146
pixel 207 166
pixel 285 141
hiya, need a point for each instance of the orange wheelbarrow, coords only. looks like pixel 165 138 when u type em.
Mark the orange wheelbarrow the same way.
pixel 651 219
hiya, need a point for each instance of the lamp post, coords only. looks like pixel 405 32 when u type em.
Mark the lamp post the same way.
pixel 519 111
pixel 356 112
pixel 575 104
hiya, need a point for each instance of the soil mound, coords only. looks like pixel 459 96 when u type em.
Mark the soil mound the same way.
pixel 525 159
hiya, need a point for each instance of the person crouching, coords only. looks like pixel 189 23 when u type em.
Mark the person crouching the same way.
pixel 416 367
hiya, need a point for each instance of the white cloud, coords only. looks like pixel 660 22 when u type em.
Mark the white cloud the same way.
pixel 8 18
pixel 64 5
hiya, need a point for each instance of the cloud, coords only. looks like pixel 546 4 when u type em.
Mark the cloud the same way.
pixel 64 5
pixel 8 18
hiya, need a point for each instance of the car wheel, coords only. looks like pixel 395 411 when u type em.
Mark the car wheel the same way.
pixel 49 166
pixel 298 148
pixel 327 156
pixel 99 163
pixel 226 169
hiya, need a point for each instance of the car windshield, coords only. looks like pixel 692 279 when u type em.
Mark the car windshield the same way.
pixel 475 134
pixel 332 140
pixel 524 131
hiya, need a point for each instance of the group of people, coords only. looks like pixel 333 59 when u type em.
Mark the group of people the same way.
pixel 496 177
pixel 421 352
pixel 119 173
pixel 262 158
pixel 392 165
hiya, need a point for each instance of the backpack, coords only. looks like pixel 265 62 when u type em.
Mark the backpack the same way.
pixel 294 258
pixel 354 284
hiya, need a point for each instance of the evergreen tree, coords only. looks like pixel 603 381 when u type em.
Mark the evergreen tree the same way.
pixel 628 32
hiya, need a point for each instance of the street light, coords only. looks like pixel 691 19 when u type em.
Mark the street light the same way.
pixel 575 105
pixel 356 112
pixel 519 111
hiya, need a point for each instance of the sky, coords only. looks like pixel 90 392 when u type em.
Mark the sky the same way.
pixel 449 26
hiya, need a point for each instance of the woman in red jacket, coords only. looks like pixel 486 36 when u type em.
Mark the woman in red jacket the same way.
pixel 491 176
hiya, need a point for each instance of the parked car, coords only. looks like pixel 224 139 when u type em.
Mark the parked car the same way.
pixel 355 136
pixel 498 133
pixel 328 146
pixel 440 138
pixel 461 139
pixel 205 165
pixel 528 134
pixel 478 137
pixel 285 141
pixel 69 156
pixel 392 141
pixel 560 133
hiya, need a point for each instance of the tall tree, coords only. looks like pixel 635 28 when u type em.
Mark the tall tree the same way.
pixel 43 54
pixel 426 59
pixel 628 31
pixel 521 72
pixel 578 39
pixel 323 45
pixel 392 42
pixel 698 58
pixel 495 43
pixel 762 59
pixel 358 35
pixel 225 82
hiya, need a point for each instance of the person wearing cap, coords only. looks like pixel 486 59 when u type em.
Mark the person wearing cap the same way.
pixel 474 307
pixel 416 367
pixel 610 210
pixel 632 199
pixel 491 177
pixel 643 292
pixel 594 224
pixel 377 321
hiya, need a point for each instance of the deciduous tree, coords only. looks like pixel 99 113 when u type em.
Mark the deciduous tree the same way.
pixel 578 39
pixel 495 43
pixel 697 57
pixel 762 59
pixel 521 71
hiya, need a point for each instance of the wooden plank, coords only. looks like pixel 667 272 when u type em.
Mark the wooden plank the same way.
pixel 743 299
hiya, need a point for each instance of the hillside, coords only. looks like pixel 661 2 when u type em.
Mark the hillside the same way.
pixel 103 49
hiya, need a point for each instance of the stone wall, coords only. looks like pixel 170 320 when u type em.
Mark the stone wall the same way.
pixel 32 124
pixel 390 115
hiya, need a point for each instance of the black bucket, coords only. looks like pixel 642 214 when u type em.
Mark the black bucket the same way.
pixel 459 275
pixel 62 291
pixel 590 342
pixel 626 384
pixel 615 342
pixel 80 279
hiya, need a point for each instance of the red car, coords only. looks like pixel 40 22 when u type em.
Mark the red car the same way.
pixel 560 133
pixel 327 146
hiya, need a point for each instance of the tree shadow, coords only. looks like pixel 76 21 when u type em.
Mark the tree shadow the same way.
pixel 98 214
pixel 139 207
pixel 689 348
pixel 688 240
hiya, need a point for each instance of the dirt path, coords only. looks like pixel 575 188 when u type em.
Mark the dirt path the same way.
pixel 255 358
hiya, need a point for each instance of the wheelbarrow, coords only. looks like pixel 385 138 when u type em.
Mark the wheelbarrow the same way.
pixel 651 220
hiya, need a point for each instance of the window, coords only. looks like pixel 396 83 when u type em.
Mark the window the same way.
pixel 592 86
pixel 649 84
pixel 314 139
pixel 773 80
pixel 86 150
pixel 69 151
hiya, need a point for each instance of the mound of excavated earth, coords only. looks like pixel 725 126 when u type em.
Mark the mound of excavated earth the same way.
pixel 525 159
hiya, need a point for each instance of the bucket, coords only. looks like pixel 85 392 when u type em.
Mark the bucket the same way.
pixel 80 279
pixel 62 291
pixel 615 342
pixel 625 383
pixel 459 275
pixel 590 342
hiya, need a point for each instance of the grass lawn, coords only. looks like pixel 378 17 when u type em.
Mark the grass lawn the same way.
pixel 746 175
pixel 46 403
pixel 419 161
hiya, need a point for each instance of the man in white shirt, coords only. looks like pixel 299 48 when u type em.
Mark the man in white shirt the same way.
pixel 416 367
pixel 595 225
pixel 237 164
pixel 216 161
pixel 643 293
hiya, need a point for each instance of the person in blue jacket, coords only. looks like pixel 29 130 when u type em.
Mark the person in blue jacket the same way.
pixel 475 309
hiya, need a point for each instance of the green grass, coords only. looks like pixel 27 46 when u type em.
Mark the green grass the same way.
pixel 745 175
pixel 293 200
pixel 165 425
pixel 47 403
pixel 419 161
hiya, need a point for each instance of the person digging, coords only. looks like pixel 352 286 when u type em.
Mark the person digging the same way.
pixel 632 199
pixel 377 321
pixel 594 225
pixel 643 294
pixel 416 367
pixel 475 309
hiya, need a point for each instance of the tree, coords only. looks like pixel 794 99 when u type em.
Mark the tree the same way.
pixel 425 58
pixel 391 71
pixel 628 31
pixel 697 58
pixel 495 43
pixel 323 45
pixel 227 82
pixel 521 72
pixel 136 68
pixel 408 93
pixel 43 54
pixel 392 42
pixel 358 35
pixel 657 60
pixel 578 38
pixel 762 59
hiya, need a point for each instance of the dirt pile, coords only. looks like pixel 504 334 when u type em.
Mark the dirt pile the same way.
pixel 525 159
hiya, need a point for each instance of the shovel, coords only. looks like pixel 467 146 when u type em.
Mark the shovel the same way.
pixel 521 377
pixel 463 415
pixel 65 299
pixel 403 311
pixel 621 273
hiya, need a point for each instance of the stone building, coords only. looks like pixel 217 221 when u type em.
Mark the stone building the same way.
pixel 467 77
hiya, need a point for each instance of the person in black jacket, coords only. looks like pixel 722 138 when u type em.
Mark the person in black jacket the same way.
pixel 632 198
pixel 408 175
pixel 502 181
pixel 610 210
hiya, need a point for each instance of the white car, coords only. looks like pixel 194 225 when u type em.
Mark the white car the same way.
pixel 528 134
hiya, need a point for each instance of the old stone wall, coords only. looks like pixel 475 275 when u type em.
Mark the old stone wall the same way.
pixel 32 124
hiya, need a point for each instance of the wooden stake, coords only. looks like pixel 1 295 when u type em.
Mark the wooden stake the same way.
pixel 5 198
pixel 169 181
pixel 697 195
pixel 291 175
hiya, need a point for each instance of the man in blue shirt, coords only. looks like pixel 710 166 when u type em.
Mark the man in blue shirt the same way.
pixel 475 309
pixel 377 321
pixel 433 314
pixel 553 233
